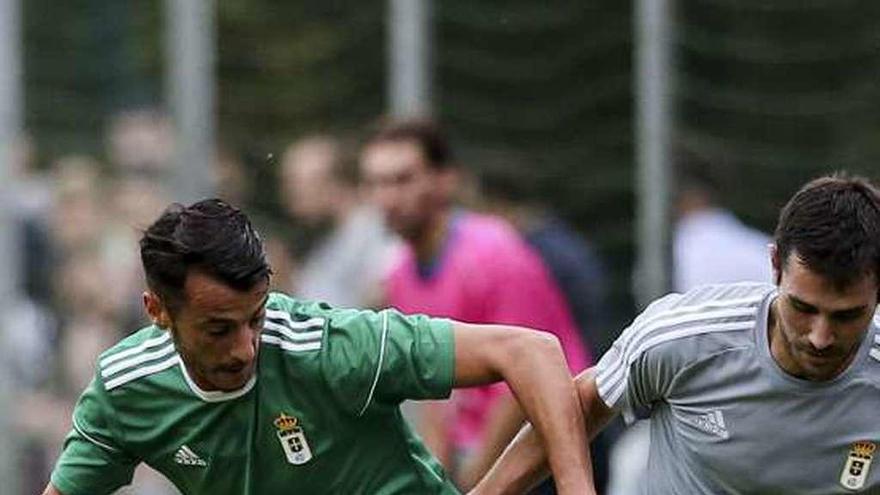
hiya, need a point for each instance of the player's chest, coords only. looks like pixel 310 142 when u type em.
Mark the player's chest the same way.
pixel 757 442
pixel 238 446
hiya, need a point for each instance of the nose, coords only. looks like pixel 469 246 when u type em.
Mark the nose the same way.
pixel 821 333
pixel 244 348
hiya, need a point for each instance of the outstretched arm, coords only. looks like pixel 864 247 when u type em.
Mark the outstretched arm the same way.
pixel 524 463
pixel 533 365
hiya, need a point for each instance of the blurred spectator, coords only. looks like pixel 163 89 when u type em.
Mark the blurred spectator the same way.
pixel 76 291
pixel 31 200
pixel 463 265
pixel 140 140
pixel 33 322
pixel 278 254
pixel 710 245
pixel 231 180
pixel 319 189
pixel 509 190
pixel 134 199
pixel 77 217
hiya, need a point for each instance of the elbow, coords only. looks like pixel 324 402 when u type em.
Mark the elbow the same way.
pixel 534 347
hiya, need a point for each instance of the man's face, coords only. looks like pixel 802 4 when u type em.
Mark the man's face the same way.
pixel 401 183
pixel 216 330
pixel 306 180
pixel 819 326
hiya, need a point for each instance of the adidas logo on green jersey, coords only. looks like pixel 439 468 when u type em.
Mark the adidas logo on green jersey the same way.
pixel 186 457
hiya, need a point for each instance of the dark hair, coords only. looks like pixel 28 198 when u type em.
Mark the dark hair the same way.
pixel 695 171
pixel 211 236
pixel 832 225
pixel 423 132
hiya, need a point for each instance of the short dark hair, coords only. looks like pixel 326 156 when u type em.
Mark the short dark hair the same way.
pixel 211 236
pixel 425 133
pixel 832 225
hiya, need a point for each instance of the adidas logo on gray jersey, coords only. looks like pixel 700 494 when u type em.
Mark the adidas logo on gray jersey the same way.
pixel 711 422
pixel 186 457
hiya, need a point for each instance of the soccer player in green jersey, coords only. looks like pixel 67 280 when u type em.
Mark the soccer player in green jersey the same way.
pixel 237 390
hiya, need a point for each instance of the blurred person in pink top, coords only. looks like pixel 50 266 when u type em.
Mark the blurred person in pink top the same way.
pixel 463 265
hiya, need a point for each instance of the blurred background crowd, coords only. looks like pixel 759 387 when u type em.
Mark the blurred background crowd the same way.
pixel 536 108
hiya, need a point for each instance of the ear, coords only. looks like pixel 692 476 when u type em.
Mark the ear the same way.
pixel 776 263
pixel 156 310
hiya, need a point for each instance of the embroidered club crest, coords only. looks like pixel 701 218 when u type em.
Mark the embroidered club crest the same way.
pixel 293 439
pixel 858 462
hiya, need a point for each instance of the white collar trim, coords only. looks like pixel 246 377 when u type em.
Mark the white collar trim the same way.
pixel 216 395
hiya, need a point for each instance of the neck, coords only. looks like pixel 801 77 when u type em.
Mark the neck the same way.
pixel 428 244
pixel 779 346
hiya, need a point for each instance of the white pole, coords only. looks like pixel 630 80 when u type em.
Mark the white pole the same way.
pixel 654 91
pixel 190 45
pixel 10 131
pixel 409 48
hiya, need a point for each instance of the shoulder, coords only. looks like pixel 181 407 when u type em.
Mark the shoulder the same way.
pixel 493 242
pixel 145 352
pixel 298 325
pixel 711 316
pixel 679 331
pixel 304 312
pixel 485 229
pixel 295 325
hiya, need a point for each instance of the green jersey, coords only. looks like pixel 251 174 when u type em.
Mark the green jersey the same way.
pixel 320 414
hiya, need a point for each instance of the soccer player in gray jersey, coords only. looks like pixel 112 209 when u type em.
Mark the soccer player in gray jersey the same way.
pixel 752 388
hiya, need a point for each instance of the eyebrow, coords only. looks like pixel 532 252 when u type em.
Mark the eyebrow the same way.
pixel 801 302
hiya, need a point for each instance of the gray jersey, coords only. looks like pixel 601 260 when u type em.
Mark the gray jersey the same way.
pixel 725 418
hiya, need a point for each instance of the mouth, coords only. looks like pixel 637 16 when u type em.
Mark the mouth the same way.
pixel 232 370
pixel 821 358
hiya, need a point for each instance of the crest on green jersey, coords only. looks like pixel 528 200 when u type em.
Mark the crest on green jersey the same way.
pixel 858 462
pixel 293 439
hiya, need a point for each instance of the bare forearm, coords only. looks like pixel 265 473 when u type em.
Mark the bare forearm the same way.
pixel 524 462
pixel 541 382
pixel 505 420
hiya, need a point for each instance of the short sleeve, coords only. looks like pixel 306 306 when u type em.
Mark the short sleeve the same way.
pixel 375 360
pixel 634 374
pixel 92 462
